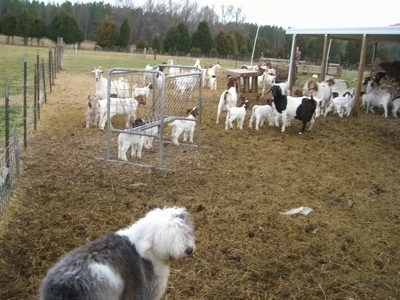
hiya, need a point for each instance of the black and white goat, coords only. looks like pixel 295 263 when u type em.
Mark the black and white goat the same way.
pixel 236 113
pixel 186 126
pixel 288 107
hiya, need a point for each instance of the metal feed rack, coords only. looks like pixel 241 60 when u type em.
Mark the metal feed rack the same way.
pixel 164 104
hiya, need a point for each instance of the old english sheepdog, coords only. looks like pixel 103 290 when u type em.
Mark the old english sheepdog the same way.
pixel 131 263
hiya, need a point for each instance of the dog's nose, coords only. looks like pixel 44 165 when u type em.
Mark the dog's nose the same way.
pixel 189 250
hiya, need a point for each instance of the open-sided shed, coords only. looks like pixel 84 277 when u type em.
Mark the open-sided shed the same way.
pixel 388 34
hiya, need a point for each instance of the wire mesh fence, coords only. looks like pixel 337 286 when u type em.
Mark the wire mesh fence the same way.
pixel 23 95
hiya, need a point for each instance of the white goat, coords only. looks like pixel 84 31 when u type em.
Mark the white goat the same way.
pixel 236 113
pixel 119 106
pixel 213 83
pixel 260 113
pixel 321 92
pixel 376 98
pixel 210 72
pixel 186 126
pixel 228 97
pixel 341 104
pixel 135 141
pixel 396 106
pixel 186 83
pixel 91 111
pixel 118 87
pixel 136 91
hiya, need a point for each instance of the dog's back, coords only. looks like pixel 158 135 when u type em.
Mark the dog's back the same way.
pixel 104 269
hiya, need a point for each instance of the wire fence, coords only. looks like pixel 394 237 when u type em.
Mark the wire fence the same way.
pixel 20 114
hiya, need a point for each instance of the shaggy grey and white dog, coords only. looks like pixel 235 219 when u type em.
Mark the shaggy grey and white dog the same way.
pixel 132 263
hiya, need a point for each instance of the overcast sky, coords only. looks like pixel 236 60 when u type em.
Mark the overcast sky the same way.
pixel 303 13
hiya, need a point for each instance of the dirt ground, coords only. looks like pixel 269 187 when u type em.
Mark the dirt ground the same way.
pixel 235 185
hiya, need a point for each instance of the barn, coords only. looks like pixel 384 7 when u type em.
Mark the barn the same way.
pixel 376 35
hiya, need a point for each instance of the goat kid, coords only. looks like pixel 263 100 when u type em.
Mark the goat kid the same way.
pixel 91 111
pixel 341 104
pixel 213 83
pixel 186 126
pixel 260 113
pixel 236 113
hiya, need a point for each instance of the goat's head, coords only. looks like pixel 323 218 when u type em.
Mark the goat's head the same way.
pixel 246 104
pixel 141 99
pixel 97 73
pixel 232 82
pixel 193 111
pixel 92 97
pixel 138 122
pixel 276 91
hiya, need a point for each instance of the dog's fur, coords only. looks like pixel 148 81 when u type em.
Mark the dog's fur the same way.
pixel 132 263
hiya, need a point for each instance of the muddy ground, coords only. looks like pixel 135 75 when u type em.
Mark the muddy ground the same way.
pixel 235 185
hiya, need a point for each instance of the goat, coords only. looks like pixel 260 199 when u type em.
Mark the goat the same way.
pixel 339 86
pixel 136 91
pixel 186 126
pixel 210 72
pixel 118 87
pixel 236 113
pixel 91 111
pixel 287 107
pixel 341 103
pixel 320 91
pixel 119 106
pixel 396 106
pixel 375 97
pixel 213 83
pixel 133 141
pixel 228 97
pixel 186 83
pixel 260 113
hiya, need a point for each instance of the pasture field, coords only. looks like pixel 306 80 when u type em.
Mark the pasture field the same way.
pixel 236 184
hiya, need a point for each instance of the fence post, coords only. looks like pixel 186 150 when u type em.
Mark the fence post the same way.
pixel 50 70
pixel 25 104
pixel 37 90
pixel 16 151
pixel 44 82
pixel 34 98
pixel 7 132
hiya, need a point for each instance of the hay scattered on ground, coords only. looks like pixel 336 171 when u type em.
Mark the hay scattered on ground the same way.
pixel 235 185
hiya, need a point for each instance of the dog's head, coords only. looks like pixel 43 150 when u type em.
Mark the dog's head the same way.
pixel 165 234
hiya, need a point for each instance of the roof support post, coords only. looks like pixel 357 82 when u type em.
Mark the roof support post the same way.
pixel 292 64
pixel 363 56
pixel 324 57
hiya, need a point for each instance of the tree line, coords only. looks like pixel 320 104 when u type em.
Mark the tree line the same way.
pixel 173 28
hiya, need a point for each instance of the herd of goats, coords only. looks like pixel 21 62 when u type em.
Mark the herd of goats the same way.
pixel 315 99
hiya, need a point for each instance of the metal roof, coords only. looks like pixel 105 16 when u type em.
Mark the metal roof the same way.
pixel 374 34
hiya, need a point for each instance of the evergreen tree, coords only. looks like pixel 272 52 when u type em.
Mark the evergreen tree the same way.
pixel 38 30
pixel 171 41
pixel 107 34
pixel 125 34
pixel 202 39
pixel 25 25
pixel 64 25
pixel 9 26
pixel 183 45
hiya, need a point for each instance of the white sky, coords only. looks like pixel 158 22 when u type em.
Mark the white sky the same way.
pixel 304 13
